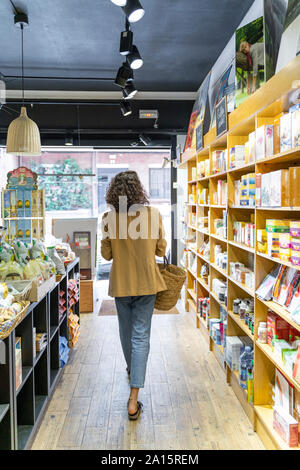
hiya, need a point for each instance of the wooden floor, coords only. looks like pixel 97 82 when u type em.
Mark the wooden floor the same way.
pixel 187 403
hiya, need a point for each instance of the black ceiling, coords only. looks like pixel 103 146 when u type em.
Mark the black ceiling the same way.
pixel 178 39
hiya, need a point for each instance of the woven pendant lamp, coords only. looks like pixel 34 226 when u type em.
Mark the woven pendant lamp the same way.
pixel 23 135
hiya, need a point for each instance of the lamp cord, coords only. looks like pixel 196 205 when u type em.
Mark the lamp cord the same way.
pixel 22 41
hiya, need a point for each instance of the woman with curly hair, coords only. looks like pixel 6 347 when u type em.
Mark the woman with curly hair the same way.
pixel 132 235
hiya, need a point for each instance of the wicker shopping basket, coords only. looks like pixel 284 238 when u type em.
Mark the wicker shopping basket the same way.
pixel 7 327
pixel 174 278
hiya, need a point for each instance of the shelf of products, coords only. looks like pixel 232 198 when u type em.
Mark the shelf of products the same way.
pixel 36 353
pixel 247 202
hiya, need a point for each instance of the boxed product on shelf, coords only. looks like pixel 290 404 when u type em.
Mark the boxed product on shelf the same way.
pixel 203 168
pixel 220 196
pixel 275 189
pixel 219 287
pixel 295 112
pixel 262 240
pixel 219 163
pixel 277 328
pixel 233 352
pixel 237 156
pixel 74 329
pixel 294 178
pixel 63 351
pixel 242 274
pixel 296 370
pixel 286 426
pixel 18 361
pixel 203 307
pixel 247 190
pixel 252 147
pixel 194 173
pixel 244 232
pixel 40 341
pixel 203 196
pixel 264 141
pixel 286 132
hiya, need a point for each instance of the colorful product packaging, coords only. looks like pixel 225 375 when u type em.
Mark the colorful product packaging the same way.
pixel 295 228
pixel 20 203
pixel 294 178
pixel 27 197
pixel 277 328
pixel 264 141
pixel 295 111
pixel 18 361
pixel 278 225
pixel 286 426
pixel 252 147
pixel 286 132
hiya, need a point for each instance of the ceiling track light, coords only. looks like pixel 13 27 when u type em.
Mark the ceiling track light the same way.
pixel 126 40
pixel 134 59
pixel 69 141
pixel 120 3
pixel 129 91
pixel 125 108
pixel 133 10
pixel 124 74
pixel 145 140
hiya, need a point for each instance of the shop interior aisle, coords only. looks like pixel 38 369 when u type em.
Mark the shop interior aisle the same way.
pixel 187 403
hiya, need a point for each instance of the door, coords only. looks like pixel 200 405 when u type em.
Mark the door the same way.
pixel 105 175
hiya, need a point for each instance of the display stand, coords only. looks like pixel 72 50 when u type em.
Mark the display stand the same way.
pixel 261 108
pixel 21 410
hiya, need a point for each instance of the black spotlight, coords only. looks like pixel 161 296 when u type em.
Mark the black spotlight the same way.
pixel 129 91
pixel 125 108
pixel 124 74
pixel 133 10
pixel 134 59
pixel 144 139
pixel 126 42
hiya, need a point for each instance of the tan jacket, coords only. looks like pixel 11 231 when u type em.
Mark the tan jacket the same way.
pixel 134 270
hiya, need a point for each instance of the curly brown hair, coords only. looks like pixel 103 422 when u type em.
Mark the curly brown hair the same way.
pixel 126 183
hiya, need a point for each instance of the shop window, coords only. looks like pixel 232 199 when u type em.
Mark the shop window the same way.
pixel 159 183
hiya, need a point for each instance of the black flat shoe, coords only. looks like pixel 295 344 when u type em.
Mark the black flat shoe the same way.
pixel 136 415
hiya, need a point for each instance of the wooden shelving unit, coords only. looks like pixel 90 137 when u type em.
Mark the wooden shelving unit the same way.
pixel 21 410
pixel 262 107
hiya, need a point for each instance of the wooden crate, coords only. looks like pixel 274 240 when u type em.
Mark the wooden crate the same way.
pixel 86 296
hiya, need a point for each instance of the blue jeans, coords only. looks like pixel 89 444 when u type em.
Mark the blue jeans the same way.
pixel 135 315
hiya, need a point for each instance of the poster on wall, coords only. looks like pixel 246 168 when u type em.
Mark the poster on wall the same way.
pixel 189 137
pixel 250 59
pixel 218 92
pixel 199 113
pixel 290 40
pixel 203 93
pixel 274 17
